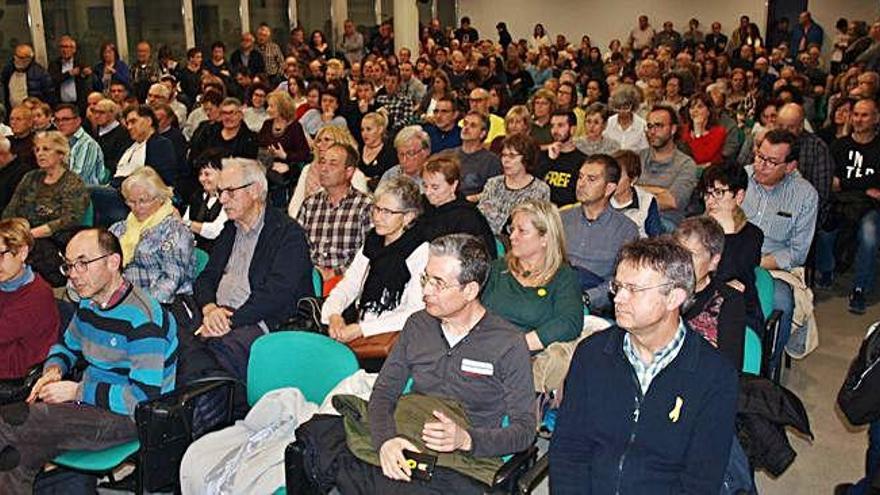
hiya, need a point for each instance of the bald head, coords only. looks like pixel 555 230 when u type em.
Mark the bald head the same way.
pixel 791 118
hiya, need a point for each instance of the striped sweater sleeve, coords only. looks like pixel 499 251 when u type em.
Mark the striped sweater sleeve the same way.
pixel 68 351
pixel 147 357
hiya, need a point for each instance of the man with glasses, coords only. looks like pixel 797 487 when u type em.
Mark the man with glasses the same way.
pixel 444 131
pixel 478 101
pixel 23 77
pixel 128 344
pixel 455 350
pixel 70 76
pixel 649 404
pixel 86 158
pixel 667 173
pixel 258 270
pixel 784 206
pixel 413 149
pixel 231 135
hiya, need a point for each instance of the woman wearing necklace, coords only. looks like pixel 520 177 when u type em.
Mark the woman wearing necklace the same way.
pixel 533 287
pixel 53 200
pixel 378 154
pixel 381 288
pixel 519 161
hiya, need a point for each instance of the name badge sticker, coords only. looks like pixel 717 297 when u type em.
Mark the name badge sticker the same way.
pixel 481 368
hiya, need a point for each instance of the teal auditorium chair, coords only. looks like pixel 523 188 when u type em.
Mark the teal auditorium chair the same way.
pixel 88 219
pixel 201 261
pixel 279 359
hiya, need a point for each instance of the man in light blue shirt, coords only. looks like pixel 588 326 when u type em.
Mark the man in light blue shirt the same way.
pixel 86 158
pixel 784 206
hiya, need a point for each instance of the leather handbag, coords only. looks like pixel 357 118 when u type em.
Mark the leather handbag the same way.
pixel 374 347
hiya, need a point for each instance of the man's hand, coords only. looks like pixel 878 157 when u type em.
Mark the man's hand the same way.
pixel 51 374
pixel 215 322
pixel 444 435
pixel 391 458
pixel 554 149
pixel 58 392
pixel 873 192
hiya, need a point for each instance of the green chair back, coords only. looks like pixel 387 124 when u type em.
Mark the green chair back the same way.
pixel 317 283
pixel 499 247
pixel 88 219
pixel 201 260
pixel 764 284
pixel 752 353
pixel 97 461
pixel 311 362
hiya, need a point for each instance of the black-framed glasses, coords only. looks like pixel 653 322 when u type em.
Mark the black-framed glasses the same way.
pixel 616 286
pixel 378 210
pixel 80 266
pixel 231 190
pixel 764 159
pixel 438 284
pixel 716 193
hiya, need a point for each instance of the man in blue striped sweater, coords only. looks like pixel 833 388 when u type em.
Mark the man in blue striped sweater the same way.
pixel 129 345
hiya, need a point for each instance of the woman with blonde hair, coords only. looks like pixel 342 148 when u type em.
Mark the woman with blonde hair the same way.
pixel 533 286
pixel 283 146
pixel 157 247
pixel 53 200
pixel 518 120
pixel 29 317
pixel 378 154
pixel 308 180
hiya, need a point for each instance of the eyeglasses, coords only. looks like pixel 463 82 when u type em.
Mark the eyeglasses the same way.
pixel 510 155
pixel 231 190
pixel 410 153
pixel 378 210
pixel 616 286
pixel 766 160
pixel 438 284
pixel 716 193
pixel 78 266
pixel 140 202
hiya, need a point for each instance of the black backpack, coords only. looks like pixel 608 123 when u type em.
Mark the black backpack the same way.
pixel 859 397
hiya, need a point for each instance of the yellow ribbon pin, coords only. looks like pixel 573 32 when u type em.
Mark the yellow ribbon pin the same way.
pixel 676 411
pixel 542 292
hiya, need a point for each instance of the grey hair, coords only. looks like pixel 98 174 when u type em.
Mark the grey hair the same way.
pixel 159 87
pixel 412 132
pixel 665 256
pixel 471 253
pixel 626 95
pixel 148 178
pixel 706 230
pixel 405 190
pixel 251 171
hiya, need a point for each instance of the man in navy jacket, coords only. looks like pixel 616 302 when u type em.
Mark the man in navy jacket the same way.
pixel 649 405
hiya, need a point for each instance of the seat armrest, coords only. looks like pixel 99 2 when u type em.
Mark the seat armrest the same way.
pixel 514 467
pixel 533 476
pixel 771 330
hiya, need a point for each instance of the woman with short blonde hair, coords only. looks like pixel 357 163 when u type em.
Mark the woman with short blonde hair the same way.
pixel 533 287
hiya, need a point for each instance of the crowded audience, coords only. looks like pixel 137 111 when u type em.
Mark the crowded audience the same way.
pixel 643 185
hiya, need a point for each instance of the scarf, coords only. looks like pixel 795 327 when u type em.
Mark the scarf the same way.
pixel 388 274
pixel 134 228
pixel 13 285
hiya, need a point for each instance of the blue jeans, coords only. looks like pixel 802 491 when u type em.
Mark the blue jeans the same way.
pixel 872 460
pixel 825 241
pixel 783 299
pixel 868 237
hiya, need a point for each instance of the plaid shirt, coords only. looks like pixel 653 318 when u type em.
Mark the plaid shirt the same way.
pixel 163 259
pixel 335 233
pixel 816 165
pixel 662 358
pixel 401 110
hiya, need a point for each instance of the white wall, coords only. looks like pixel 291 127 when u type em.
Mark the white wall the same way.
pixel 610 19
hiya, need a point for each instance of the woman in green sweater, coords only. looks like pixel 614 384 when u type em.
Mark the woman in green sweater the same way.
pixel 53 200
pixel 533 287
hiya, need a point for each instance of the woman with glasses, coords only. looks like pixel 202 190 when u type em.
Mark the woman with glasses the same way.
pixel 29 317
pixel 533 287
pixel 255 112
pixel 717 311
pixel 381 288
pixel 53 200
pixel 111 68
pixel 157 247
pixel 724 188
pixel 308 183
pixel 519 162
